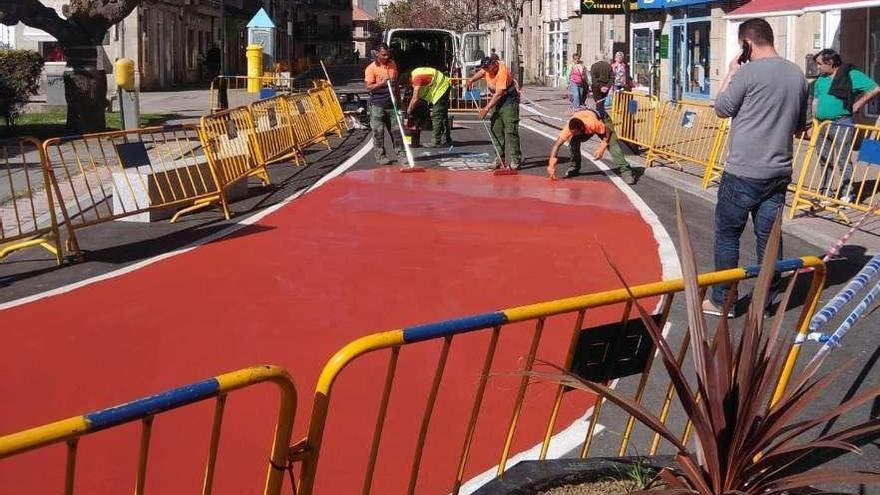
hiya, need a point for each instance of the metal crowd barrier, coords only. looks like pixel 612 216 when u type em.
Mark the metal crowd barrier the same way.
pixel 326 118
pixel 839 171
pixel 716 168
pixel 28 216
pixel 687 133
pixel 304 118
pixel 72 431
pixel 334 105
pixel 231 91
pixel 274 128
pixel 463 100
pixel 635 117
pixel 230 142
pixel 432 344
pixel 111 175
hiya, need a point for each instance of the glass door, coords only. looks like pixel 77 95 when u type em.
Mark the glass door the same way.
pixel 645 57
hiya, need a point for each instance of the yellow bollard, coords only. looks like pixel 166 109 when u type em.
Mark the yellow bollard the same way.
pixel 254 67
pixel 125 74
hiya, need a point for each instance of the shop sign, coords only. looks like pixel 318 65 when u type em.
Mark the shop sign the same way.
pixel 607 6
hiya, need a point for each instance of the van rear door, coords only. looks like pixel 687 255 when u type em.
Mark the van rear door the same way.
pixel 474 46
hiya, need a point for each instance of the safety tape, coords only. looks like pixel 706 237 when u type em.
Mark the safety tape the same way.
pixel 847 294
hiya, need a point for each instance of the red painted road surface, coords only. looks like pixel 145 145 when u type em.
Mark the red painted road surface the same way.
pixel 369 251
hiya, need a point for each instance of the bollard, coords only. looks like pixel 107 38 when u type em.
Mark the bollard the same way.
pixel 254 68
pixel 129 106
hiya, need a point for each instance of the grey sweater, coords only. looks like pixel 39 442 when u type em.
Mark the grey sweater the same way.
pixel 767 101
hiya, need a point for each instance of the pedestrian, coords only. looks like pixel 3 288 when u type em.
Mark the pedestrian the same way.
pixel 576 79
pixel 766 98
pixel 432 86
pixel 839 93
pixel 502 109
pixel 580 128
pixel 382 116
pixel 620 70
pixel 601 75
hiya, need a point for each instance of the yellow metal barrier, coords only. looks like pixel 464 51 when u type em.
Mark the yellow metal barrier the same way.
pixel 230 142
pixel 436 340
pixel 305 121
pixel 71 431
pixel 28 215
pixel 687 133
pixel 273 124
pixel 111 175
pixel 232 91
pixel 716 168
pixel 463 100
pixel 323 109
pixel 635 117
pixel 333 103
pixel 839 171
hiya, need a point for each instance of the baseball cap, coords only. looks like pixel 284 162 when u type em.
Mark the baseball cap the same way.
pixel 486 62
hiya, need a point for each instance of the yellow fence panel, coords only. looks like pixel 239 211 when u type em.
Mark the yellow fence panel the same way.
pixel 230 142
pixel 274 129
pixel 323 109
pixel 713 174
pixel 635 117
pixel 306 124
pixel 526 331
pixel 111 175
pixel 464 100
pixel 840 170
pixel 333 102
pixel 28 214
pixel 688 134
pixel 73 431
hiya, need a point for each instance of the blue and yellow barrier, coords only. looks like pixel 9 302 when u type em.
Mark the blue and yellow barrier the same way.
pixel 308 450
pixel 72 430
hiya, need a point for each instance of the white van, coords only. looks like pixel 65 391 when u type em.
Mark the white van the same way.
pixel 455 54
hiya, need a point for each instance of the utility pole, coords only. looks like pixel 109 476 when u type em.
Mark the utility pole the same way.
pixel 478 15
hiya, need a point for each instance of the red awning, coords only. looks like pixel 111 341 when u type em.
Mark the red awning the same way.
pixel 771 8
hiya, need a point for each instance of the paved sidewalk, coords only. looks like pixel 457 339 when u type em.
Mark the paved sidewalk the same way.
pixel 822 231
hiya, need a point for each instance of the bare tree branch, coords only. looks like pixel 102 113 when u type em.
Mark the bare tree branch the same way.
pixel 34 14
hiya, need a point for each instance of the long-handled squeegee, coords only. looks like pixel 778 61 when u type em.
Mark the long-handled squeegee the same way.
pixel 503 168
pixel 409 156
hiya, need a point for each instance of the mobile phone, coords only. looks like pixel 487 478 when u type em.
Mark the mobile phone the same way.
pixel 746 54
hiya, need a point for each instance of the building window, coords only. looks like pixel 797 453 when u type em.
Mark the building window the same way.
pixel 52 51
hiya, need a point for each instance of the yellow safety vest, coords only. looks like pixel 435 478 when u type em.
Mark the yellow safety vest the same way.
pixel 439 84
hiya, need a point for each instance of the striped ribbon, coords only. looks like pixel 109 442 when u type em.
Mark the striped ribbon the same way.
pixel 851 320
pixel 846 295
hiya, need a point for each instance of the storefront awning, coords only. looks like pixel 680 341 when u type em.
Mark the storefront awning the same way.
pixel 771 8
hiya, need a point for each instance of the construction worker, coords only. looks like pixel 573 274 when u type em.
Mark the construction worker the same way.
pixel 433 86
pixel 582 126
pixel 504 108
pixel 376 76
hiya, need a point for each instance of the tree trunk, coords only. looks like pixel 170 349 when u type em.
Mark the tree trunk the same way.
pixel 85 88
pixel 515 66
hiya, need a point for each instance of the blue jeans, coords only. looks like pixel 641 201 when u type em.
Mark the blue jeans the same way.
pixel 840 134
pixel 739 197
pixel 574 91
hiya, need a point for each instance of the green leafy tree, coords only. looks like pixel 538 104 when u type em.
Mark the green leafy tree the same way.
pixel 19 79
pixel 80 33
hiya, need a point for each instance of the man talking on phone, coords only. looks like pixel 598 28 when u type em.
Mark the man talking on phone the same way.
pixel 765 96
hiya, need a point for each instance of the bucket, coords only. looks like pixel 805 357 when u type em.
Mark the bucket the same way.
pixel 411 136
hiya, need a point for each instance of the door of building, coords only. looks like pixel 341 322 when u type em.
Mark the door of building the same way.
pixel 690 54
pixel 557 54
pixel 645 56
